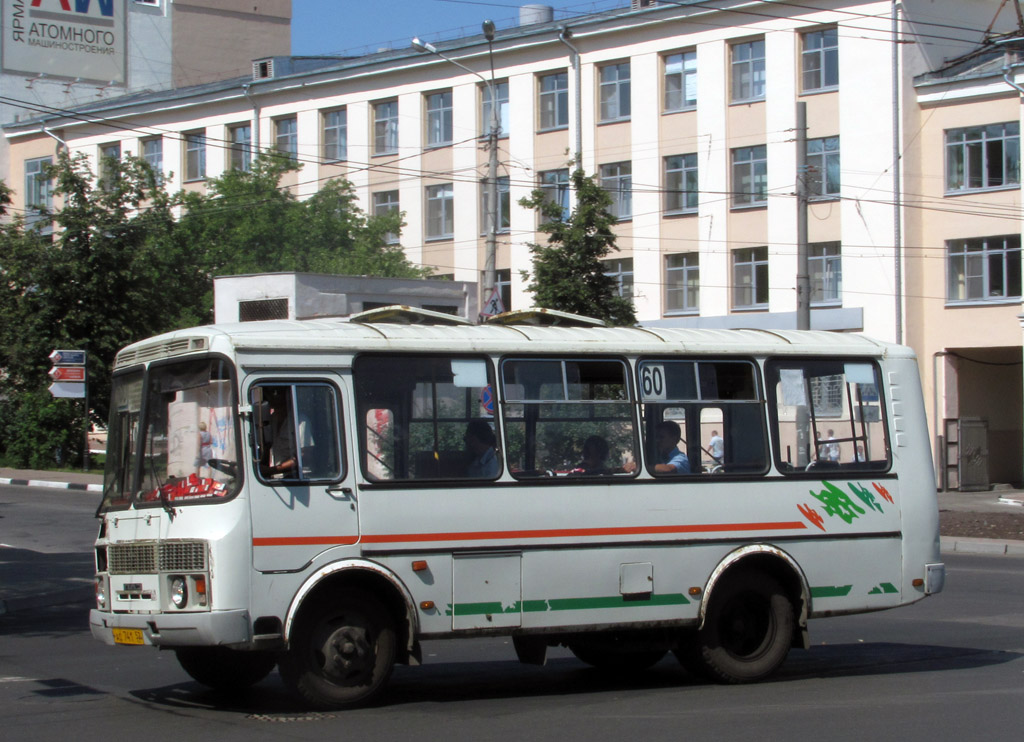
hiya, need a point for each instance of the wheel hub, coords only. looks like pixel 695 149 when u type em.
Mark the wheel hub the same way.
pixel 347 653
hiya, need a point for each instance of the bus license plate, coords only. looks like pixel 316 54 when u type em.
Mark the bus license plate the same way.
pixel 128 636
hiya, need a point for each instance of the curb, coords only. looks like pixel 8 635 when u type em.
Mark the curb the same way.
pixel 985 546
pixel 52 485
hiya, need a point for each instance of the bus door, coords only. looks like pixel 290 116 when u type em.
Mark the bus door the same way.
pixel 303 499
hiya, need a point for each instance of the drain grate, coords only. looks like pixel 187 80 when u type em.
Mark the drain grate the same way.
pixel 288 719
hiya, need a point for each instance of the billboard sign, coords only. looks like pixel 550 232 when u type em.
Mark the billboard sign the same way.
pixel 75 39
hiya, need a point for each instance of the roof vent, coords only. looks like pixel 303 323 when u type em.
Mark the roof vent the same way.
pixel 640 4
pixel 263 69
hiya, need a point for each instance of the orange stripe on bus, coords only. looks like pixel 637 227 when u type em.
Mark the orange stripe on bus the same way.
pixel 575 532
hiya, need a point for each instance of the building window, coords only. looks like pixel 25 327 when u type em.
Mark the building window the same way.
pixel 439 118
pixel 195 155
pixel 38 190
pixel 286 137
pixel 981 157
pixel 621 270
pixel 153 154
pixel 503 282
pixel 554 101
pixel 555 184
pixel 504 204
pixel 385 127
pixel 750 176
pixel 680 82
pixel 335 135
pixel 681 184
pixel 241 147
pixel 501 93
pixel 823 168
pixel 820 60
pixel 617 179
pixel 984 269
pixel 615 92
pixel 750 278
pixel 440 212
pixel 682 282
pixel 825 266
pixel 384 202
pixel 110 156
pixel 748 78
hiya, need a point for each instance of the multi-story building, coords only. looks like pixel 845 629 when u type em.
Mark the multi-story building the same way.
pixel 686 111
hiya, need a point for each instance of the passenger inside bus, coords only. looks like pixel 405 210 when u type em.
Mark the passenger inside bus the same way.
pixel 671 460
pixel 595 455
pixel 480 445
pixel 281 457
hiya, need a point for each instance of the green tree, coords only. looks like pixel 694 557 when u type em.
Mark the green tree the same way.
pixel 567 272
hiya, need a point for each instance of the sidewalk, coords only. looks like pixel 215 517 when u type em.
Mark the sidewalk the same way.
pixel 30 580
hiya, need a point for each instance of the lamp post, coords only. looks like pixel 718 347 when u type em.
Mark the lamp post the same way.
pixel 490 278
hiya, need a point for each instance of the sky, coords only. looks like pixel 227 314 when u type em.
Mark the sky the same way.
pixel 364 26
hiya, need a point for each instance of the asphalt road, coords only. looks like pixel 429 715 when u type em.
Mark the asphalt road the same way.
pixel 949 667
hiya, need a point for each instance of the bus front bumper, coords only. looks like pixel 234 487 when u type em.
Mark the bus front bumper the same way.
pixel 171 629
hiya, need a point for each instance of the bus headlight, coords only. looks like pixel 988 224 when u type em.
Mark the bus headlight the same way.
pixel 101 593
pixel 179 592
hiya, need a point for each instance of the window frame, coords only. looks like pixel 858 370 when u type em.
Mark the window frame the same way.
pixel 441 196
pixel 825 269
pixel 755 168
pixel 686 173
pixel 383 207
pixel 981 144
pixel 286 143
pixel 755 262
pixel 621 271
pixel 687 74
pixel 195 155
pixel 747 76
pixel 557 182
pixel 334 134
pixel 619 185
pixel 1007 256
pixel 385 127
pixel 687 286
pixel 155 160
pixel 240 150
pixel 504 205
pixel 439 118
pixel 38 191
pixel 823 181
pixel 826 54
pixel 553 103
pixel 614 94
pixel 107 152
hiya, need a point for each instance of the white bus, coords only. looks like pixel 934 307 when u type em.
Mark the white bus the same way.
pixel 324 495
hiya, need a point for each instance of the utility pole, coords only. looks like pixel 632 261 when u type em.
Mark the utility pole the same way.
pixel 803 278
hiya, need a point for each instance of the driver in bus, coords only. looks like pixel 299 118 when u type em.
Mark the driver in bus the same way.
pixel 671 460
pixel 480 444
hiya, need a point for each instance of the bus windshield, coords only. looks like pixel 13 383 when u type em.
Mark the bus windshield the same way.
pixel 173 436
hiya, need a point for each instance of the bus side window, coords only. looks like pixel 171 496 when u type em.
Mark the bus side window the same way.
pixel 296 431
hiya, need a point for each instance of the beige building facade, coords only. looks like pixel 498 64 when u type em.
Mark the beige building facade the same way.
pixel 686 113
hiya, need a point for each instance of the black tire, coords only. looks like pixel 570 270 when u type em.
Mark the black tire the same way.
pixel 608 653
pixel 225 669
pixel 747 632
pixel 341 652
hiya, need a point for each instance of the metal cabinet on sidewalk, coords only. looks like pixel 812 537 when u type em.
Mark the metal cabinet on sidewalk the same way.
pixel 965 455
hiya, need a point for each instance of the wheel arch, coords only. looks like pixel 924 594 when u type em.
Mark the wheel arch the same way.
pixel 771 560
pixel 372 578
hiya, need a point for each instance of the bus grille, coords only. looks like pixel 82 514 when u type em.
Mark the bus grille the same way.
pixel 150 558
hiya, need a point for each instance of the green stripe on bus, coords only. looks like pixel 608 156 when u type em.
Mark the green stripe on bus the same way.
pixel 884 587
pixel 567 604
pixel 831 591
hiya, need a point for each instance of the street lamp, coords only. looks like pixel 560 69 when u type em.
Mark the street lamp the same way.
pixel 490 278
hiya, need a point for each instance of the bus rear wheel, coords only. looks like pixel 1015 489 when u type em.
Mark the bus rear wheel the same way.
pixel 342 651
pixel 747 631
pixel 225 669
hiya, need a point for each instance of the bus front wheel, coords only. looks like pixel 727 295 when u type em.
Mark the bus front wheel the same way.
pixel 225 669
pixel 747 631
pixel 341 652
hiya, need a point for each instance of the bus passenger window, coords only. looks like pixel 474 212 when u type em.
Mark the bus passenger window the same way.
pixel 297 432
pixel 706 412
pixel 827 416
pixel 426 417
pixel 568 418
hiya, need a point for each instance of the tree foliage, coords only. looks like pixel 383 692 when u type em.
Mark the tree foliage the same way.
pixel 568 274
pixel 127 260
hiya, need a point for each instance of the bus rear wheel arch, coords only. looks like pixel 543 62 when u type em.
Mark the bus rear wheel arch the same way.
pixel 747 630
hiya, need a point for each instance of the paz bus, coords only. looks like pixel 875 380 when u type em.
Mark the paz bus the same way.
pixel 324 495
